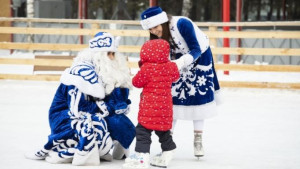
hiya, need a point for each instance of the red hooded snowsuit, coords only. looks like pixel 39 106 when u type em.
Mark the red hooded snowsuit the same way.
pixel 156 77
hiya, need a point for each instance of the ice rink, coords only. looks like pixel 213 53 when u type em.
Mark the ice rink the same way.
pixel 255 129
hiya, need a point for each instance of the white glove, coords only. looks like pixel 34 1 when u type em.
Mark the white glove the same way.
pixel 183 61
pixel 179 62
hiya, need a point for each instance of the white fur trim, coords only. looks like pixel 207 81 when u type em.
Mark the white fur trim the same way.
pixel 218 97
pixel 154 20
pixel 179 40
pixel 195 112
pixel 95 90
pixel 103 108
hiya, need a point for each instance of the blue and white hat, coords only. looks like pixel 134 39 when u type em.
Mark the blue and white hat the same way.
pixel 104 42
pixel 83 76
pixel 152 17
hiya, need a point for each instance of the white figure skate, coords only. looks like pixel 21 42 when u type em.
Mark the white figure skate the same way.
pixel 163 159
pixel 137 160
pixel 37 155
pixel 198 148
pixel 55 159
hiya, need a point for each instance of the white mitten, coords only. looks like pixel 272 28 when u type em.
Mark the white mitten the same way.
pixel 179 62
pixel 184 60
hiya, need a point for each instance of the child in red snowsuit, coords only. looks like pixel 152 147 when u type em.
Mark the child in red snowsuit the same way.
pixel 155 109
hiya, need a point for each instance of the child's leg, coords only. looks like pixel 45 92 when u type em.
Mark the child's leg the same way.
pixel 143 139
pixel 168 146
pixel 141 158
pixel 198 126
pixel 166 140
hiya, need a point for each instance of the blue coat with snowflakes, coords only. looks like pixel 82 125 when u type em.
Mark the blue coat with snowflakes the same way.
pixel 82 120
pixel 198 80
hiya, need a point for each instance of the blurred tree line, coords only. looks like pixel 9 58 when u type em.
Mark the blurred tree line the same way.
pixel 202 10
pixel 197 10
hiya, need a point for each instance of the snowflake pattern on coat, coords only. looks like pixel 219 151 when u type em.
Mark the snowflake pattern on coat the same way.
pixel 195 81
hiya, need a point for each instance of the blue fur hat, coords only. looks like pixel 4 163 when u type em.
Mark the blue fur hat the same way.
pixel 104 42
pixel 152 17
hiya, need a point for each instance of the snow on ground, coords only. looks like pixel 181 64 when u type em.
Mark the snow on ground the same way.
pixel 255 129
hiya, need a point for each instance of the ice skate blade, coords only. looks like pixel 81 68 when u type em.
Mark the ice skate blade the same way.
pixel 199 156
pixel 135 167
pixel 158 166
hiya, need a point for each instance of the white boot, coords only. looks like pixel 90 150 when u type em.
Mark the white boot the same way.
pixel 163 159
pixel 106 157
pixel 37 155
pixel 198 148
pixel 137 160
pixel 119 151
pixel 54 158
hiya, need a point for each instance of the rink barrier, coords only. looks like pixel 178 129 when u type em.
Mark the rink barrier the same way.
pixel 43 65
pixel 142 33
pixel 56 65
pixel 65 61
pixel 136 49
pixel 231 84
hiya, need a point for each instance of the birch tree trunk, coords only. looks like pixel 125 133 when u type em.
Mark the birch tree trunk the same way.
pixel 186 8
pixel 30 14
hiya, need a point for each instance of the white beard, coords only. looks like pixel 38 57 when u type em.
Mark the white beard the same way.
pixel 114 73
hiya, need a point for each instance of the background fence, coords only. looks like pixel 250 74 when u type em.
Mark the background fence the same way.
pixel 71 40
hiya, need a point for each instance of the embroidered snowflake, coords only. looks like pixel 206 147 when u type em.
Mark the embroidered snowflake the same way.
pixel 186 73
pixel 201 80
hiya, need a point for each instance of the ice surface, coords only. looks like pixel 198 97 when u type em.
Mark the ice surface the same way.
pixel 255 129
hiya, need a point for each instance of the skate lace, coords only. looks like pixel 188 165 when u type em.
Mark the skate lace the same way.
pixel 197 143
pixel 134 156
pixel 198 146
pixel 161 160
pixel 137 158
pixel 158 155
